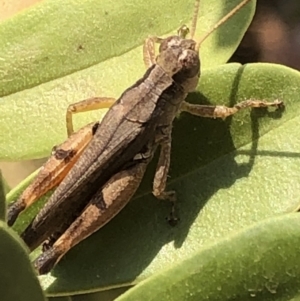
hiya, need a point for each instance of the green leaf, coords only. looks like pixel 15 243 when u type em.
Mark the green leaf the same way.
pixel 225 180
pixel 17 277
pixel 53 55
pixel 2 198
pixel 258 263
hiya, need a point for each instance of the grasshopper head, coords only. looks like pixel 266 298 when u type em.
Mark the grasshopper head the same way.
pixel 177 56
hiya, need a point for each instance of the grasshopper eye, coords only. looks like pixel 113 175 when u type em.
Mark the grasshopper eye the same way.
pixel 190 63
pixel 189 59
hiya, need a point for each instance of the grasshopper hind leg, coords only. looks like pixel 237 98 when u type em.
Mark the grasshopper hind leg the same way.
pixel 104 205
pixel 62 158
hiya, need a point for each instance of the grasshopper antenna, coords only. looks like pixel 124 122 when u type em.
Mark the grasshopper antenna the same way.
pixel 217 25
pixel 195 18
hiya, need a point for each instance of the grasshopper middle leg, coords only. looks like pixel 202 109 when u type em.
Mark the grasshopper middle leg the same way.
pixel 90 104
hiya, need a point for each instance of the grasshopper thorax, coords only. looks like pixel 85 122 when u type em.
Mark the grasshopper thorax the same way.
pixel 178 57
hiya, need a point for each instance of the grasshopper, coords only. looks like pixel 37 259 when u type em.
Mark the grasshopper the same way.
pixel 109 163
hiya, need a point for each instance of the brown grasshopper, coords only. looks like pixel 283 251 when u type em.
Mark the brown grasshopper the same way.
pixel 112 159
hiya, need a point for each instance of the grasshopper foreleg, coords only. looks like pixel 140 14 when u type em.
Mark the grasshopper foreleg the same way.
pixel 223 111
pixel 86 105
pixel 149 50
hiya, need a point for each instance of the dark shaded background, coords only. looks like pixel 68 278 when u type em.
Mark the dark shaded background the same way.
pixel 273 36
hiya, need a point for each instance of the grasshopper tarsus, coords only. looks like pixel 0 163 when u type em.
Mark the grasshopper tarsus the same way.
pixel 172 220
pixel 279 105
pixel 170 196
